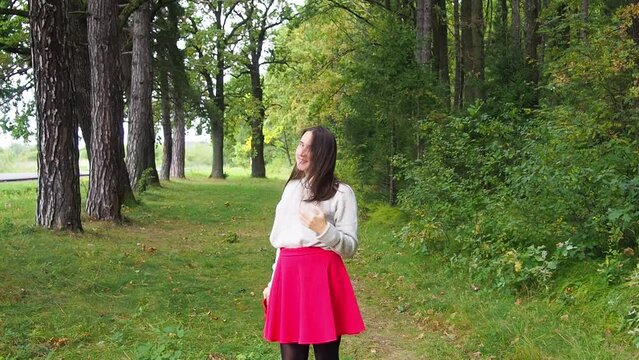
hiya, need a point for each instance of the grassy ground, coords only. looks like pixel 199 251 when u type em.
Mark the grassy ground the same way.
pixel 182 279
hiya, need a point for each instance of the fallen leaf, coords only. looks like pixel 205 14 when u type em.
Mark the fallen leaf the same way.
pixel 518 301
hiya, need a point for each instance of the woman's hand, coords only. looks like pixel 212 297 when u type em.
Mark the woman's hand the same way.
pixel 313 218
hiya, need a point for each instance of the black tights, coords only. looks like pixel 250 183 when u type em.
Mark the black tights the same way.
pixel 326 351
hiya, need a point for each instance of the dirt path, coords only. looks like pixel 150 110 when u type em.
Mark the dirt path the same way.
pixel 387 334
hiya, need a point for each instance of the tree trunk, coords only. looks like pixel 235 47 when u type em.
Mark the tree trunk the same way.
pixel 258 166
pixel 179 83
pixel 141 136
pixel 217 96
pixel 58 204
pixel 503 14
pixel 459 59
pixel 424 26
pixel 165 100
pixel 179 134
pixel 533 40
pixel 392 186
pixel 108 178
pixel 80 71
pixel 217 121
pixel 516 25
pixel 584 19
pixel 440 47
pixel 472 49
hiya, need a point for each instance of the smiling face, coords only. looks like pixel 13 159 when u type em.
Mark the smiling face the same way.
pixel 303 156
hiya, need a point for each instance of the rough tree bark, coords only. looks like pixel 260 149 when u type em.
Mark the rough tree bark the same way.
pixel 533 39
pixel 167 147
pixel 141 136
pixel 179 135
pixel 440 47
pixel 424 38
pixel 258 166
pixel 58 203
pixel 458 98
pixel 179 83
pixel 81 70
pixel 516 24
pixel 472 49
pixel 108 178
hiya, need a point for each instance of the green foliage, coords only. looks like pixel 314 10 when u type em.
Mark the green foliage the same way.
pixel 617 265
pixel 525 193
pixel 391 93
pixel 16 105
pixel 148 177
pixel 631 324
pixel 168 348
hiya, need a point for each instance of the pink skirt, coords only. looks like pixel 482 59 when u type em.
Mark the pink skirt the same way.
pixel 312 299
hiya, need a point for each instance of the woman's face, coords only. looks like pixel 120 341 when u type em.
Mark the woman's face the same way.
pixel 303 152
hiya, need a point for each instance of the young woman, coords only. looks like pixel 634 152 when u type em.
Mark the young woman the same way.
pixel 310 299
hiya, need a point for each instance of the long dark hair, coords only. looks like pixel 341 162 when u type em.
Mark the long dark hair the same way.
pixel 321 174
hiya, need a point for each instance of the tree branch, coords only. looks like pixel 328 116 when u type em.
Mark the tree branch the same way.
pixel 350 11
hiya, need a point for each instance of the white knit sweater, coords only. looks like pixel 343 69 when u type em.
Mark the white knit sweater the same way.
pixel 341 217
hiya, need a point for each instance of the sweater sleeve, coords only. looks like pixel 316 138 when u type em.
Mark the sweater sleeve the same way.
pixel 341 236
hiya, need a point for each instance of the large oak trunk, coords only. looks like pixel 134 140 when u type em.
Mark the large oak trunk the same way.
pixel 58 204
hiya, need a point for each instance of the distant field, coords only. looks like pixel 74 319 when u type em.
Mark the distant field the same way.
pixel 198 160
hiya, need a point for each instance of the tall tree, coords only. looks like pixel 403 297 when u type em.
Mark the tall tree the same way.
pixel 108 177
pixel 179 133
pixel 58 173
pixel 214 45
pixel 424 40
pixel 516 23
pixel 179 84
pixel 261 16
pixel 141 136
pixel 472 49
pixel 166 37
pixel 459 58
pixel 440 47
pixel 80 70
pixel 165 103
pixel 533 40
pixel 225 35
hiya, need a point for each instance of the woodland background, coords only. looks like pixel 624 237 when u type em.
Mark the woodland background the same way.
pixel 506 132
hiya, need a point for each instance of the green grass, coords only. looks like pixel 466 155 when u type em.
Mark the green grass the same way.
pixel 182 278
